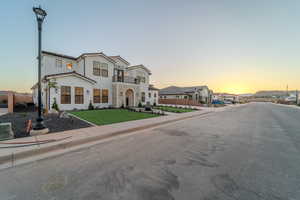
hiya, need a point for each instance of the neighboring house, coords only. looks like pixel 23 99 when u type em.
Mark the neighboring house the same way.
pixel 153 95
pixel 291 98
pixel 104 81
pixel 200 94
pixel 226 97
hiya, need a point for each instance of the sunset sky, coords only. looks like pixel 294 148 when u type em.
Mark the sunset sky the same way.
pixel 236 46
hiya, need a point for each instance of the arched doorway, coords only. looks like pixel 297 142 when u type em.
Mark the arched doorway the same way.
pixel 129 98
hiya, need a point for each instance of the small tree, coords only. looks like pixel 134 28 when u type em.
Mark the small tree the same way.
pixel 54 105
pixel 91 107
pixel 140 105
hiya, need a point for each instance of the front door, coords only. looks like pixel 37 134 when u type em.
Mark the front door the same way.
pixel 127 101
pixel 129 98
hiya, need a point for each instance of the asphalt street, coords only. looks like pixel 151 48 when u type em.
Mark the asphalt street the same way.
pixel 249 152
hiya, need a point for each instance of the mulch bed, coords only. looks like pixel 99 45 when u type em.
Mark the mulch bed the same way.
pixel 52 121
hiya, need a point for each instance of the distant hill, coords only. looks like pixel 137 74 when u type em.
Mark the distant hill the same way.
pixel 270 93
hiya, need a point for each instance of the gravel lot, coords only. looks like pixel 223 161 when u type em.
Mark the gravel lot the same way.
pixel 52 121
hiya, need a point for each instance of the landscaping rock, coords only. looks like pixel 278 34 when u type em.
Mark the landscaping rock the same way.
pixel 64 115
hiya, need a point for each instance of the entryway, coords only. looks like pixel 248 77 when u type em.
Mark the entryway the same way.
pixel 129 98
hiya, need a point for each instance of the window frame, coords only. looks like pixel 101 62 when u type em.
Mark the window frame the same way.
pixel 96 68
pixel 58 63
pixel 98 96
pixel 79 98
pixel 65 94
pixel 104 69
pixel 143 97
pixel 104 96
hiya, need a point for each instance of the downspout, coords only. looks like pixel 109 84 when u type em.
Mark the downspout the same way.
pixel 83 65
pixel 49 99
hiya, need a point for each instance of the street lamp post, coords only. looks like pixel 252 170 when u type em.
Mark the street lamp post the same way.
pixel 40 16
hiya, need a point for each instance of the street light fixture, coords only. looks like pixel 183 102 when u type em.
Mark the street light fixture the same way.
pixel 40 16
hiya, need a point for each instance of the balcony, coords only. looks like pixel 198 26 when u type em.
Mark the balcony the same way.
pixel 126 79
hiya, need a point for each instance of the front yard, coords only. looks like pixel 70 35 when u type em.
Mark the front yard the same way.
pixel 174 109
pixel 110 116
pixel 52 121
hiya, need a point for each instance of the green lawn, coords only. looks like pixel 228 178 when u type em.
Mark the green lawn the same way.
pixel 173 109
pixel 110 116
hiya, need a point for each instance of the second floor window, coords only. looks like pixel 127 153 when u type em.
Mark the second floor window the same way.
pixel 149 95
pixel 154 94
pixel 104 69
pixel 96 68
pixel 100 69
pixel 78 95
pixel 96 95
pixel 65 97
pixel 58 63
pixel 69 66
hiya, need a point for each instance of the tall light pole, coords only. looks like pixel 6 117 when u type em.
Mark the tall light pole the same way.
pixel 40 16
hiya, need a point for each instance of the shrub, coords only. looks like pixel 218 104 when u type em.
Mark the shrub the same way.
pixel 91 107
pixel 140 105
pixel 54 105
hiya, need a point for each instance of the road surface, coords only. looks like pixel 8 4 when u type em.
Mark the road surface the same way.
pixel 248 152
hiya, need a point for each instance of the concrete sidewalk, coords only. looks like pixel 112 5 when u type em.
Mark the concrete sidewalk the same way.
pixel 62 142
pixel 3 111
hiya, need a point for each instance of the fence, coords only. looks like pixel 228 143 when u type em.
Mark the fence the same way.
pixel 11 99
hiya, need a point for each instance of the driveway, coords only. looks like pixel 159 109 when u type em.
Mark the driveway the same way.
pixel 246 153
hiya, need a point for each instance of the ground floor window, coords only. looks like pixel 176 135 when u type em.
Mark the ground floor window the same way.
pixel 96 96
pixel 143 97
pixel 65 95
pixel 105 96
pixel 78 95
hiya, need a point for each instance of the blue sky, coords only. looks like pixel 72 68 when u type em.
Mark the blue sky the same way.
pixel 230 45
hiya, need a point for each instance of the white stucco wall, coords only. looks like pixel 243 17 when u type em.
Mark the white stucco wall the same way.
pixel 73 82
pixel 173 96
pixel 49 65
pixel 154 97
pixel 144 87
pixel 84 66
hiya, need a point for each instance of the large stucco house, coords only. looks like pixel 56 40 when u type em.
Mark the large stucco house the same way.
pixel 105 81
pixel 200 94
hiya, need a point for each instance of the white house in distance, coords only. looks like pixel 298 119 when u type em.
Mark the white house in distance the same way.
pixel 105 81
pixel 234 98
pixel 201 94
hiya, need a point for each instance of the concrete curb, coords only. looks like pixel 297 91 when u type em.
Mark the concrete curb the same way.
pixel 6 159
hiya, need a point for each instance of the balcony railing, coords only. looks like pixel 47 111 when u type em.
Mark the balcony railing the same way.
pixel 126 79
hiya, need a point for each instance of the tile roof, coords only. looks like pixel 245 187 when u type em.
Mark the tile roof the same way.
pixel 70 73
pixel 120 58
pixel 76 58
pixel 151 87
